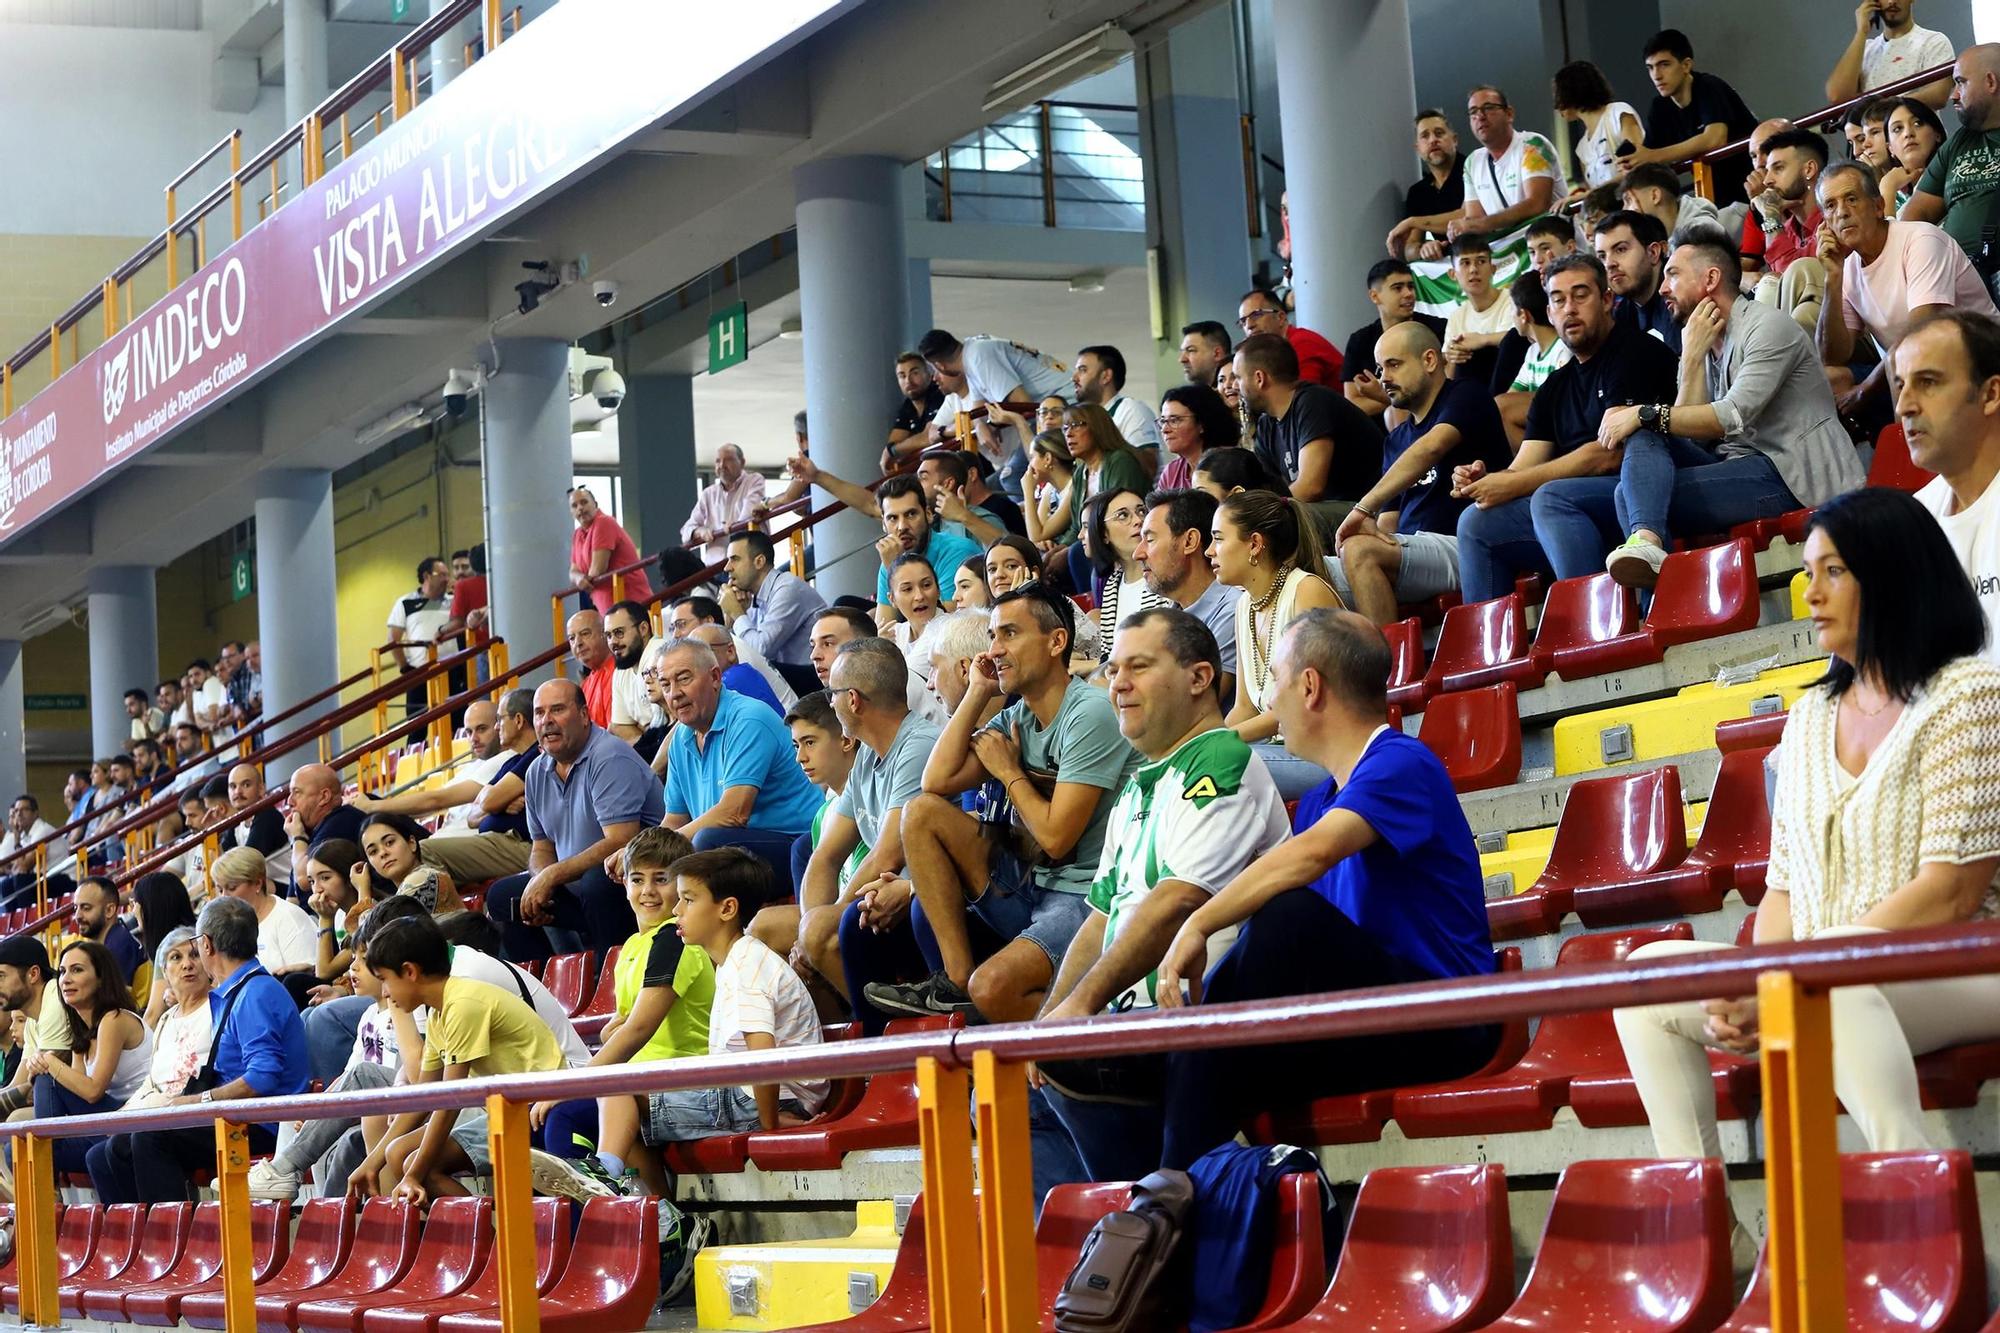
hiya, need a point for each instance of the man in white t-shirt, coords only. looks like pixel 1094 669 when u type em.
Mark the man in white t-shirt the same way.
pixel 1513 175
pixel 204 704
pixel 629 629
pixel 1473 330
pixel 1888 47
pixel 415 619
pixel 1099 378
pixel 1882 277
pixel 1948 400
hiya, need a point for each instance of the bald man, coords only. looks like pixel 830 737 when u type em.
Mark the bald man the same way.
pixel 317 814
pixel 1961 186
pixel 735 676
pixel 1400 543
pixel 477 840
pixel 591 648
pixel 588 794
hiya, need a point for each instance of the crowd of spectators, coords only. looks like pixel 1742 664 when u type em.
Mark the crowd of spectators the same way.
pixel 1044 770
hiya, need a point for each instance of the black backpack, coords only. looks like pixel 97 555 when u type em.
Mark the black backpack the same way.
pixel 1126 1279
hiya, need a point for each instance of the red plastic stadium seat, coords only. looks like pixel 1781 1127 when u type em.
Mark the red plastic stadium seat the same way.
pixel 1428 1251
pixel 76 1232
pixel 456 1237
pixel 611 1281
pixel 1732 851
pixel 905 1304
pixel 1358 1117
pixel 201 1259
pixel 1612 831
pixel 116 1247
pixel 568 977
pixel 319 1248
pixel 1580 617
pixel 883 1115
pixel 1068 1214
pixel 1431 610
pixel 1893 467
pixel 1406 672
pixel 1750 733
pixel 1566 1046
pixel 483 1292
pixel 1632 1246
pixel 1910 1238
pixel 1483 644
pixel 385 1241
pixel 1477 734
pixel 1761 532
pixel 603 1001
pixel 1298 1255
pixel 1702 594
pixel 160 1242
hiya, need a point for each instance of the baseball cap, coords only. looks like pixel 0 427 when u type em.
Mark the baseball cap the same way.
pixel 25 951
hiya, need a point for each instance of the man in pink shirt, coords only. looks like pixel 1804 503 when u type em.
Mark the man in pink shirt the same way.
pixel 597 547
pixel 724 503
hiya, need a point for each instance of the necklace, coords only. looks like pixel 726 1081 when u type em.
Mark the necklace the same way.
pixel 1260 649
pixel 1876 711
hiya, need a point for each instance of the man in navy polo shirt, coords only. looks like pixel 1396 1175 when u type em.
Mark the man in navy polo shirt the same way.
pixel 1379 884
pixel 732 780
pixel 588 795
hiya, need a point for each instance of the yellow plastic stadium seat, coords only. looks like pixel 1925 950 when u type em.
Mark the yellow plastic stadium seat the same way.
pixel 1525 864
pixel 1682 724
pixel 789 1283
pixel 1799 595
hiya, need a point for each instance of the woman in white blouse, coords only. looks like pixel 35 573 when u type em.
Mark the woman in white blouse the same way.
pixel 181 1034
pixel 287 940
pixel 1887 817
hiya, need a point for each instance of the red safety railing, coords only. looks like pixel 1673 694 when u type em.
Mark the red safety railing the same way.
pixel 994 1229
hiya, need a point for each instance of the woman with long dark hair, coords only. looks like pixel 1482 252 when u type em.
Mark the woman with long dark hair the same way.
pixel 1884 820
pixel 110 1050
pixel 162 905
pixel 1112 521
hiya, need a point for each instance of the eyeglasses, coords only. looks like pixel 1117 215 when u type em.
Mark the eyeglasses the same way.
pixel 1250 317
pixel 1072 427
pixel 1164 422
pixel 1485 108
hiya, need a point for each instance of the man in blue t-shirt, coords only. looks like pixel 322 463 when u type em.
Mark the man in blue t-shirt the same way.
pixel 1400 541
pixel 908 529
pixel 1379 885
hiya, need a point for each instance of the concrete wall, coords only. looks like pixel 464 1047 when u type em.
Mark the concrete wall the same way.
pixel 103 118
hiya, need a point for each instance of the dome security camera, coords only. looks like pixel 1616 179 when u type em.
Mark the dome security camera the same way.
pixel 608 388
pixel 606 292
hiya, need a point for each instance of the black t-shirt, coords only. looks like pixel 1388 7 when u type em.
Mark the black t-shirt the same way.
pixel 1426 197
pixel 1428 506
pixel 1319 413
pixel 267 832
pixel 1653 318
pixel 1508 358
pixel 1631 368
pixel 913 414
pixel 1005 512
pixel 1711 100
pixel 516 823
pixel 1360 354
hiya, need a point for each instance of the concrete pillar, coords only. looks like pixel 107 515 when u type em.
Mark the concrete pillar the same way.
pixel 921 320
pixel 1197 218
pixel 13 722
pixel 853 302
pixel 124 649
pixel 524 446
pixel 305 58
pixel 297 620
pixel 1344 77
pixel 657 458
pixel 447 53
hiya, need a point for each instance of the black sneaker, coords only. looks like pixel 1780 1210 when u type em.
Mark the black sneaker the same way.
pixel 936 995
pixel 683 1236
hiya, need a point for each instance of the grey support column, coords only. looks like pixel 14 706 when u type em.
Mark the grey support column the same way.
pixel 853 303
pixel 524 429
pixel 920 320
pixel 124 649
pixel 656 455
pixel 305 57
pixel 1345 89
pixel 296 616
pixel 447 53
pixel 1191 135
pixel 13 723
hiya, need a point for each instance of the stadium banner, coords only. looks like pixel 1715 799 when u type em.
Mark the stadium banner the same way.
pixel 1438 292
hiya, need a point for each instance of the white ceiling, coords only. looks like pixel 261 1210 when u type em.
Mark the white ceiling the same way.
pixel 752 404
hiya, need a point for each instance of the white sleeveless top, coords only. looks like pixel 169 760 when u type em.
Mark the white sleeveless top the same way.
pixel 1253 654
pixel 133 1067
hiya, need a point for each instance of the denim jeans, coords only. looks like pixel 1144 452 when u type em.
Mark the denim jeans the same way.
pixel 52 1099
pixel 1494 545
pixel 1293 776
pixel 772 846
pixel 590 913
pixel 1675 487
pixel 1113 1140
pixel 330 1030
pixel 1576 522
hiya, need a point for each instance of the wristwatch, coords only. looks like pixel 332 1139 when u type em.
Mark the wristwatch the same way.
pixel 1649 416
pixel 207 1096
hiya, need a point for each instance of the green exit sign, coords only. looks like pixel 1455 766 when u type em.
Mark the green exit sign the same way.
pixel 728 338
pixel 399 10
pixel 242 576
pixel 53 703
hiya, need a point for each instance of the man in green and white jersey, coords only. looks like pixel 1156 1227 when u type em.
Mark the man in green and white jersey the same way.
pixel 1200 809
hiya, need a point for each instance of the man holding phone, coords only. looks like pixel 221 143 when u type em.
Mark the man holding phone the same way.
pixel 1887 47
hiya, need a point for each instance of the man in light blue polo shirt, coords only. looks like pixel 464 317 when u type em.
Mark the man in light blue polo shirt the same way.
pixel 587 795
pixel 908 527
pixel 732 780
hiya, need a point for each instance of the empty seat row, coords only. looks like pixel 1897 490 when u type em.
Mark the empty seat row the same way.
pixel 372 1268
pixel 1635 1246
pixel 1589 626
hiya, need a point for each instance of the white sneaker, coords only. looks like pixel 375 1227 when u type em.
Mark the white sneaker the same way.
pixel 1636 563
pixel 677 1253
pixel 566 1179
pixel 269 1181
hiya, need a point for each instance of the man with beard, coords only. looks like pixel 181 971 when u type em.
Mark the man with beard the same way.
pixel 627 631
pixel 1205 349
pixel 1796 280
pixel 907 527
pixel 1437 197
pixel 1960 187
pixel 588 794
pixel 1633 248
pixel 1614 363
pixel 1753 432
pixel 771 609
pixel 1399 542
pixel 1173 551
pixel 482 836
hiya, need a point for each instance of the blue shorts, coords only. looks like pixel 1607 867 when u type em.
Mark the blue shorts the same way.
pixel 1018 908
pixel 704 1113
